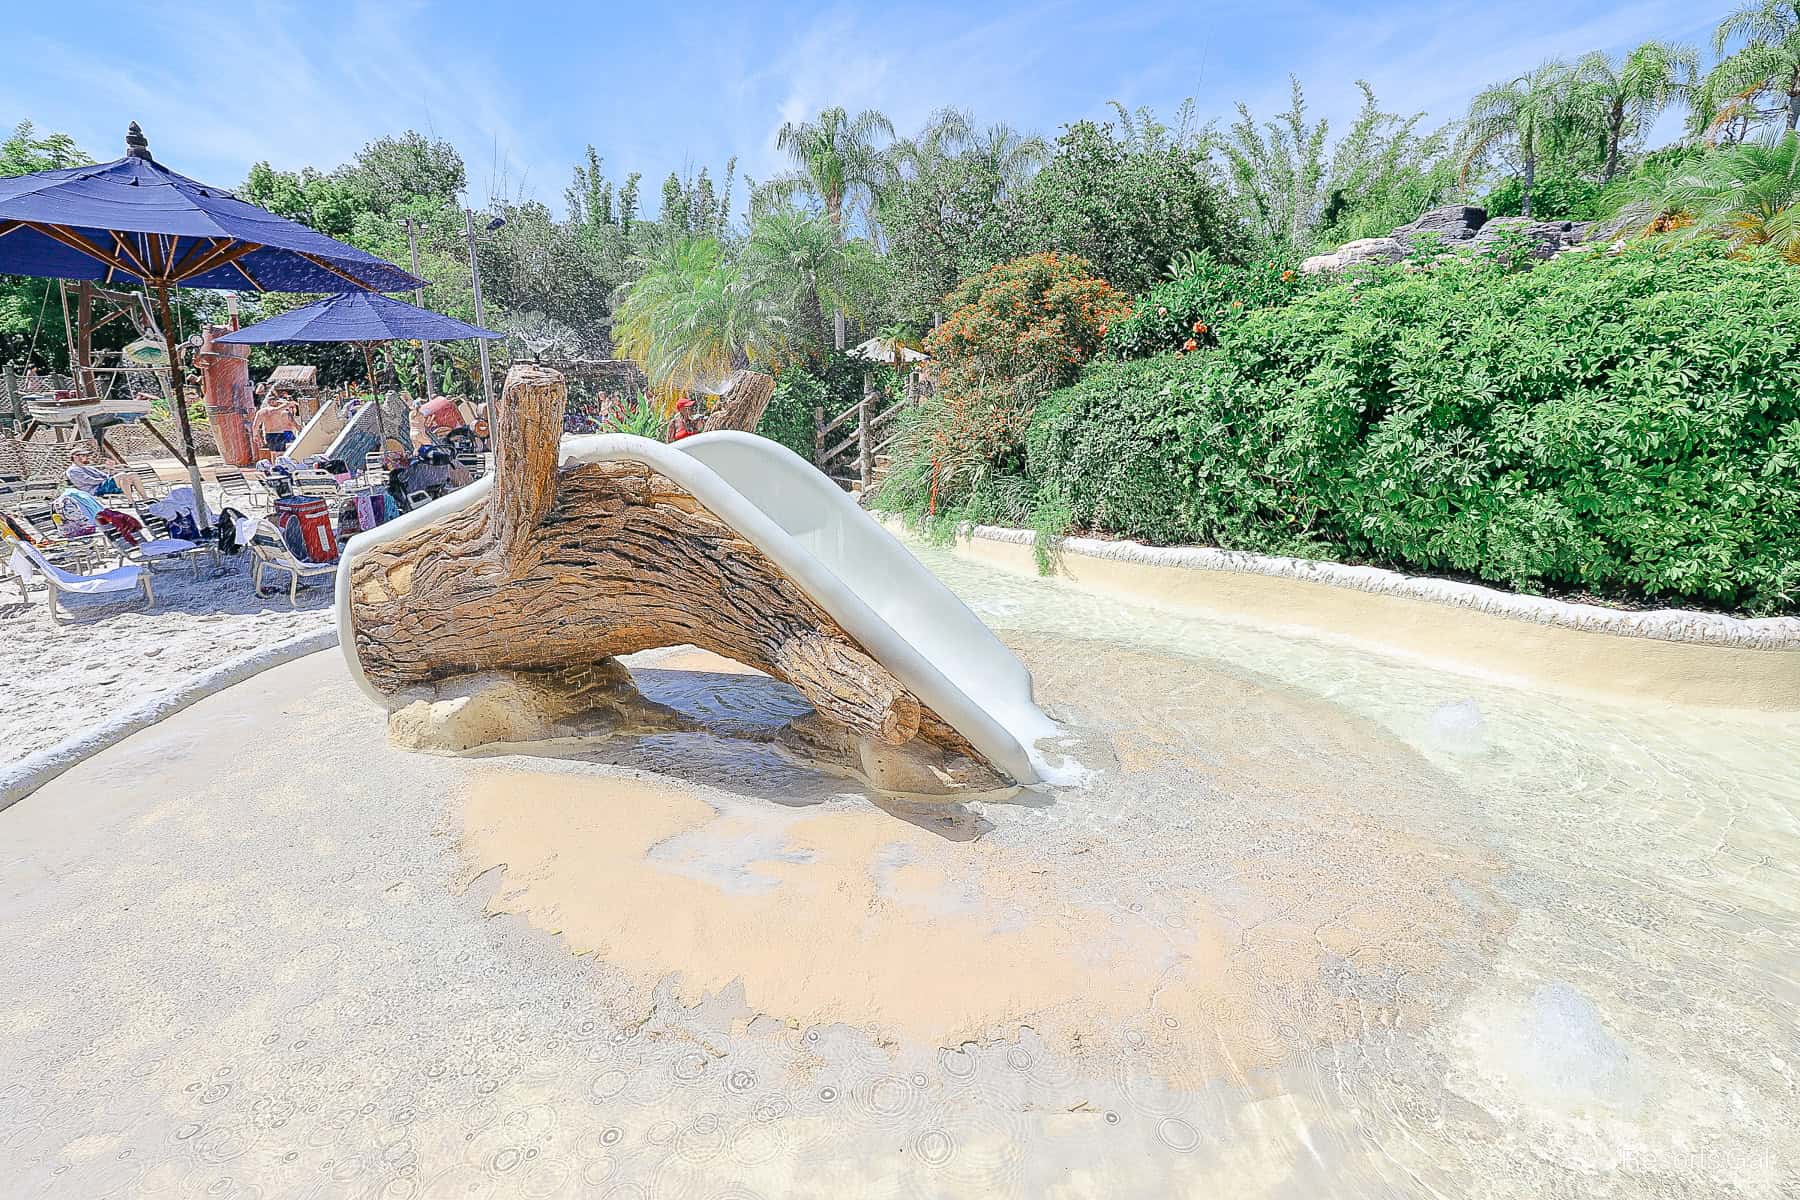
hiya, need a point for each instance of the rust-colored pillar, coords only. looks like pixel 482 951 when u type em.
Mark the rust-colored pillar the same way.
pixel 225 377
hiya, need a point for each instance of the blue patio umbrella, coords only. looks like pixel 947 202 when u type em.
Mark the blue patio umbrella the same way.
pixel 357 317
pixel 361 317
pixel 134 221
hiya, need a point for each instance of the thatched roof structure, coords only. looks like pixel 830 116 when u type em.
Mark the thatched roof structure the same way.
pixel 292 378
pixel 888 350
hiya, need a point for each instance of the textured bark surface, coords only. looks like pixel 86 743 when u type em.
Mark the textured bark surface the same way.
pixel 569 566
pixel 743 402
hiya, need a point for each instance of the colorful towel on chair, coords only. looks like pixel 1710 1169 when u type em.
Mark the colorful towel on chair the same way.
pixel 122 525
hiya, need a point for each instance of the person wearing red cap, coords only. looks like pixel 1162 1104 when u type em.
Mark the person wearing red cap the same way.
pixel 684 423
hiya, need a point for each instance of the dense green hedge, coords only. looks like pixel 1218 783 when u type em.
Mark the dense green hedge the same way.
pixel 789 417
pixel 1623 424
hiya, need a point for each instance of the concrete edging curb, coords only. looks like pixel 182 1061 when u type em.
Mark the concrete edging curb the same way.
pixel 35 770
pixel 1676 656
pixel 1663 624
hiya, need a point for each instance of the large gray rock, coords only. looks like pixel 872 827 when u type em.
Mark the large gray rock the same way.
pixel 1450 223
pixel 1456 227
pixel 1542 240
pixel 1350 254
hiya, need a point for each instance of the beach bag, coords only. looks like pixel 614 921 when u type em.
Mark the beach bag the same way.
pixel 226 530
pixel 183 526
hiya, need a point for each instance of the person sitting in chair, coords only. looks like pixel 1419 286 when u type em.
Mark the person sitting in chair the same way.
pixel 84 474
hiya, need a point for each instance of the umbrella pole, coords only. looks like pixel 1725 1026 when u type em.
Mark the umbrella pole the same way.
pixel 179 386
pixel 375 399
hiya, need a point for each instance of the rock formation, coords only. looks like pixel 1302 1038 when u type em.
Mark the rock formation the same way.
pixel 1455 227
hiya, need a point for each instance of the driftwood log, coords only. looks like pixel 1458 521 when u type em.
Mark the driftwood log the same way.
pixel 742 402
pixel 562 567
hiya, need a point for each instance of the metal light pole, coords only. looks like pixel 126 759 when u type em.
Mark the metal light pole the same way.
pixel 412 243
pixel 487 380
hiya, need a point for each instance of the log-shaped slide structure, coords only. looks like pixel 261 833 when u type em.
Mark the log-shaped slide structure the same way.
pixel 575 550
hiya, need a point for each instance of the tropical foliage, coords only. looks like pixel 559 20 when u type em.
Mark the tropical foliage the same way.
pixel 836 160
pixel 1757 79
pixel 1014 332
pixel 1295 190
pixel 1622 97
pixel 693 314
pixel 1746 195
pixel 1188 312
pixel 1126 197
pixel 1620 424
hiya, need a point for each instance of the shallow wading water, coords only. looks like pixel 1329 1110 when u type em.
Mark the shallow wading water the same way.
pixel 1317 923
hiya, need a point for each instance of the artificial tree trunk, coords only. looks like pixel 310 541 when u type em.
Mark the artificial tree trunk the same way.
pixel 563 567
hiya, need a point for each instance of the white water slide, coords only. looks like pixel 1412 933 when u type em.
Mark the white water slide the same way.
pixel 840 556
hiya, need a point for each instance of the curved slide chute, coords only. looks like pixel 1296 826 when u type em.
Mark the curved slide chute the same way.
pixel 839 555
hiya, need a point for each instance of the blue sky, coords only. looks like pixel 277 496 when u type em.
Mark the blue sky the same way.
pixel 522 88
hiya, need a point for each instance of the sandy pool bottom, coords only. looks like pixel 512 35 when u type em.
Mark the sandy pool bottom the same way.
pixel 934 933
pixel 1270 949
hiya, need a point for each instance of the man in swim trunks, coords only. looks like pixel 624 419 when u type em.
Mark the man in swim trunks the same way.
pixel 275 423
pixel 97 481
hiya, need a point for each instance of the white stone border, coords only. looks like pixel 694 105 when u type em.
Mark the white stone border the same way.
pixel 1664 624
pixel 20 779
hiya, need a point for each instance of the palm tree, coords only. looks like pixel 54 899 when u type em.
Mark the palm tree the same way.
pixel 836 159
pixel 1766 65
pixel 1747 194
pixel 1531 112
pixel 692 315
pixel 1628 94
pixel 1013 157
pixel 800 264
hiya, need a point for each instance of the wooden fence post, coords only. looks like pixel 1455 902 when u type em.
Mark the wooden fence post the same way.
pixel 865 464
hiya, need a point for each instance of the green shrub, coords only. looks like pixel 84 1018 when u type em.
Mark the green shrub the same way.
pixel 1017 331
pixel 1621 424
pixel 1111 451
pixel 789 417
pixel 1553 198
pixel 1204 296
pixel 1126 198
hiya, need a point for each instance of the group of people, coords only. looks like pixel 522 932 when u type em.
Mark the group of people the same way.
pixel 89 501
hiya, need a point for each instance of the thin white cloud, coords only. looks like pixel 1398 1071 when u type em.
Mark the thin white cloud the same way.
pixel 270 84
pixel 310 83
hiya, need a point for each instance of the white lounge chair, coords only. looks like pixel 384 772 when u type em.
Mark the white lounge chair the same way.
pixel 270 552
pixel 148 552
pixel 27 562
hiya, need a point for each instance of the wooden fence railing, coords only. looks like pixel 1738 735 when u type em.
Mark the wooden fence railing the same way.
pixel 849 446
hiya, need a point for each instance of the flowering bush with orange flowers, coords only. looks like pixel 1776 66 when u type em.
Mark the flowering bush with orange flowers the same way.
pixel 1200 298
pixel 1027 324
pixel 1014 333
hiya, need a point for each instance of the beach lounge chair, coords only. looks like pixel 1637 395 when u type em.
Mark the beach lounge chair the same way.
pixel 28 563
pixel 270 552
pixel 153 483
pixel 76 553
pixel 236 487
pixel 154 550
pixel 315 483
